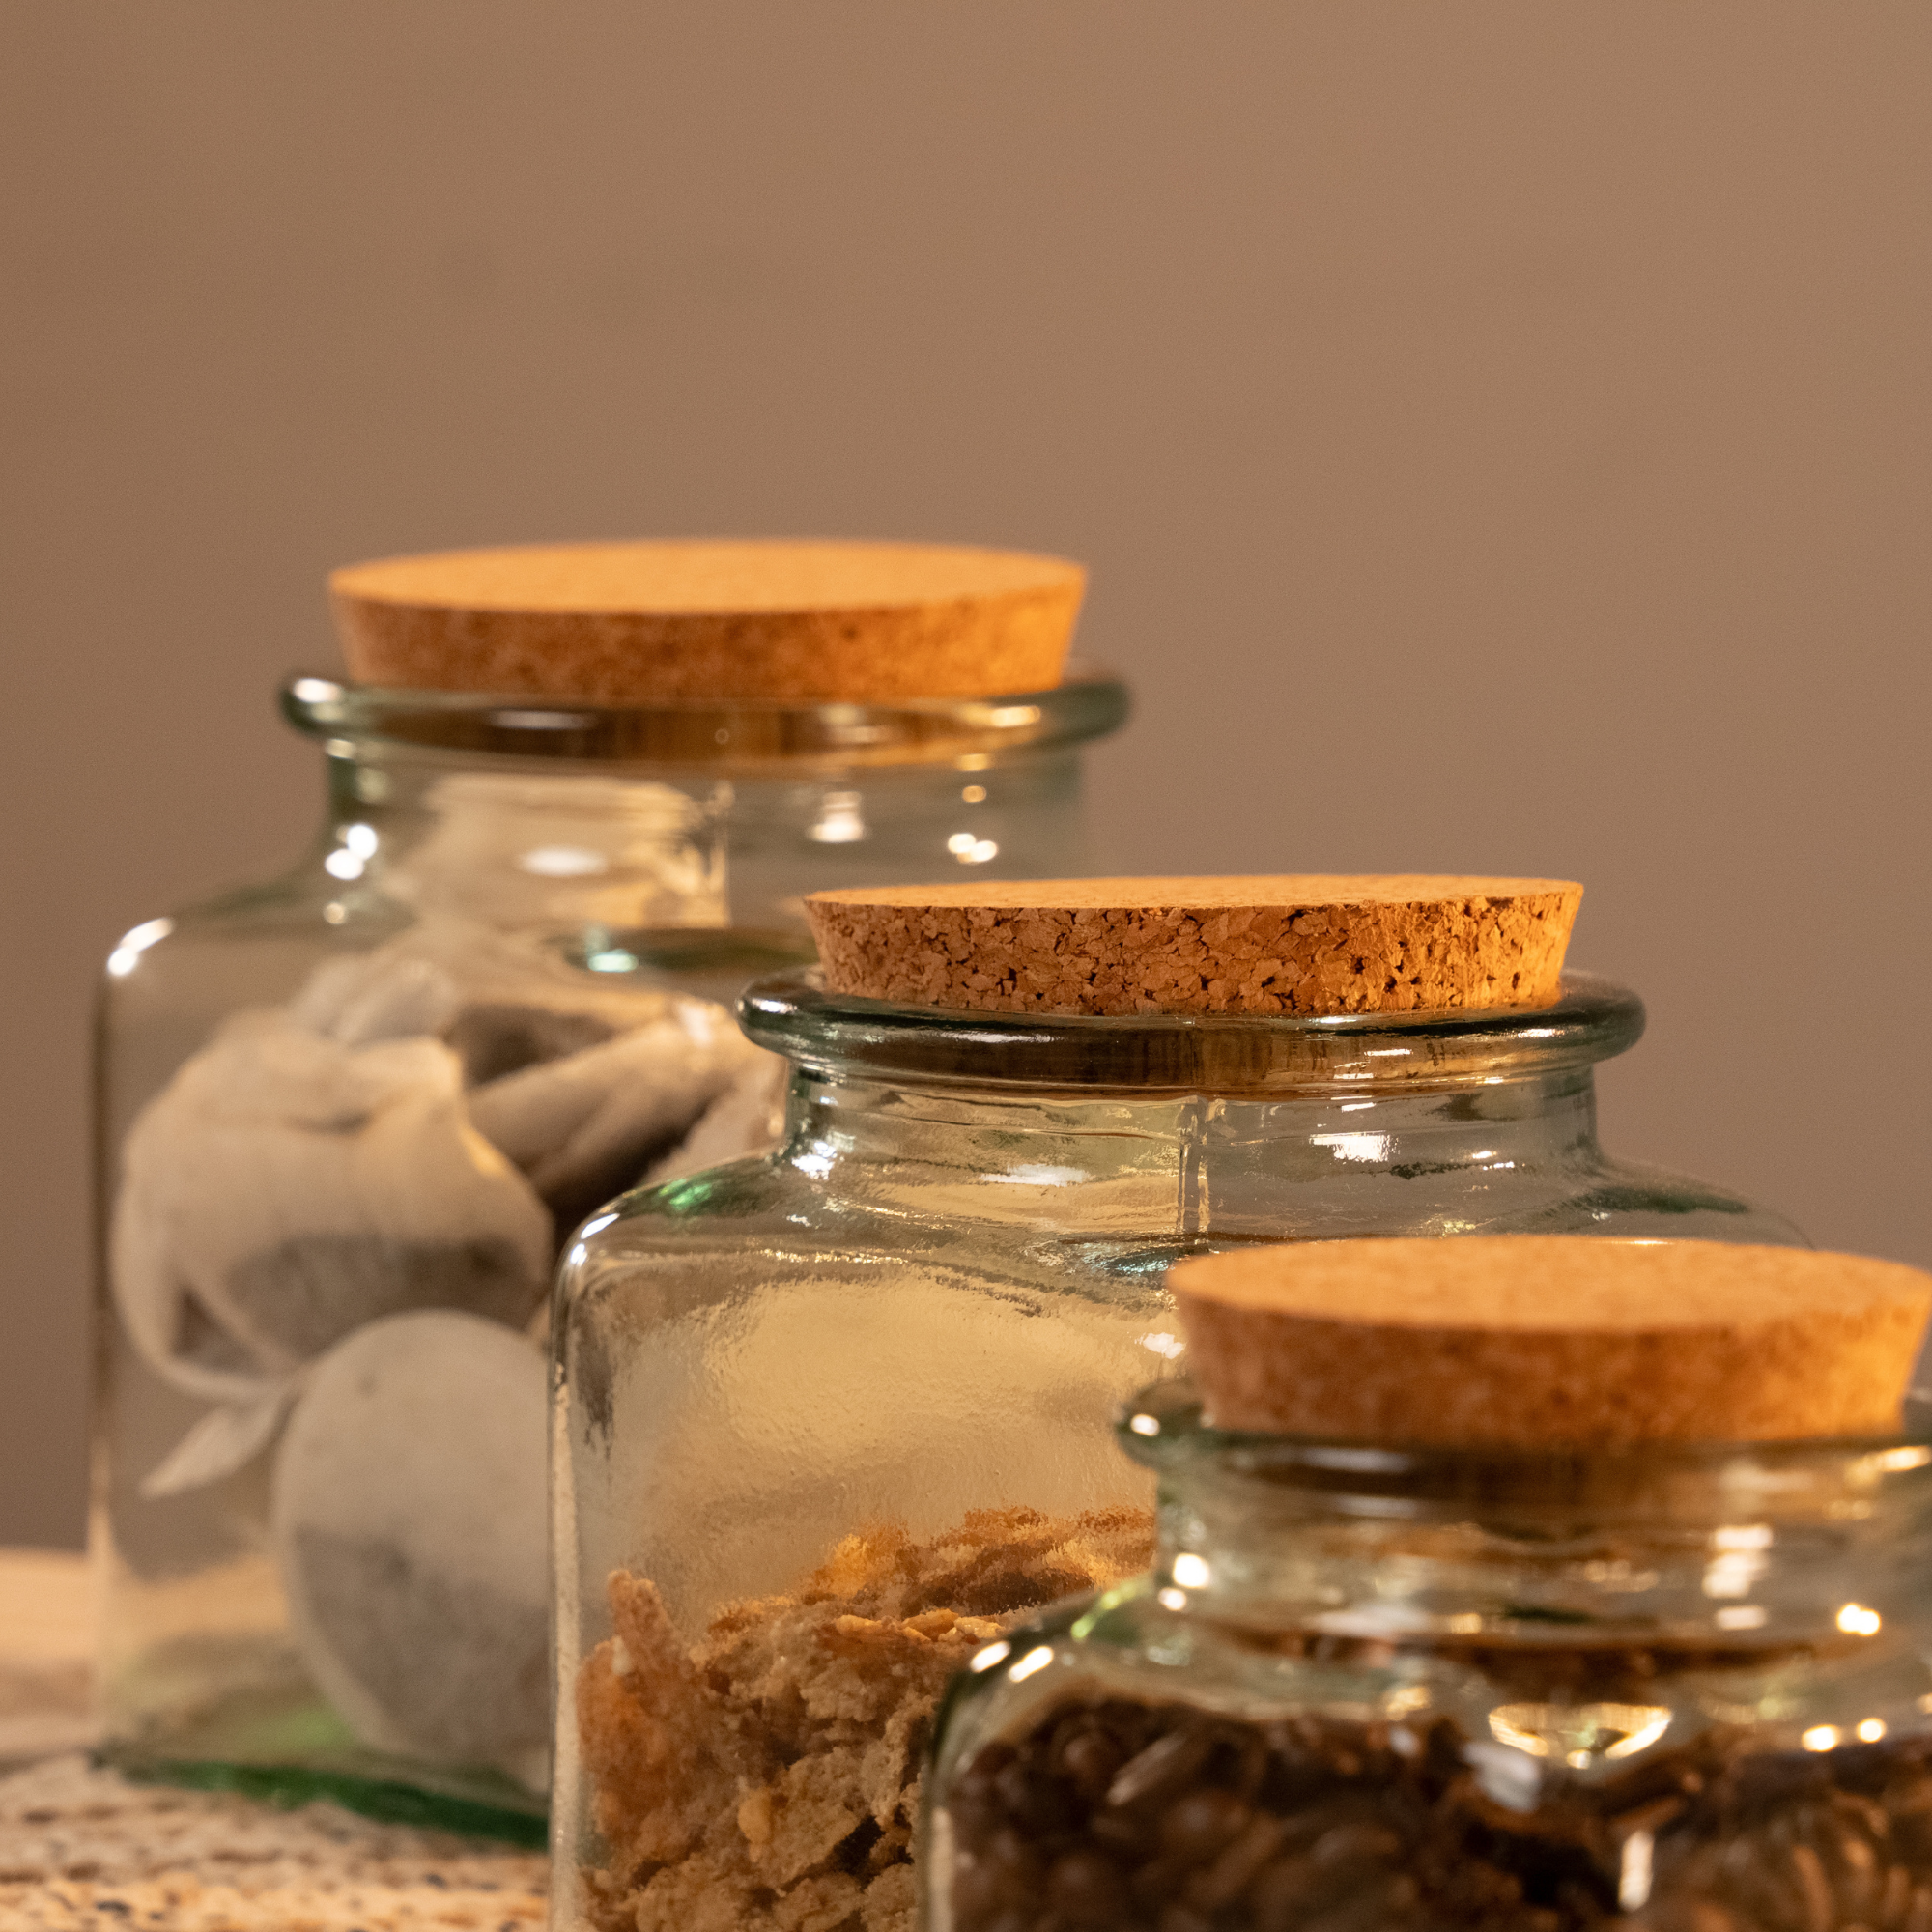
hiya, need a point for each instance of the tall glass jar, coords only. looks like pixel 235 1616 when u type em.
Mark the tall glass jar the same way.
pixel 832 1419
pixel 1673 1687
pixel 345 1117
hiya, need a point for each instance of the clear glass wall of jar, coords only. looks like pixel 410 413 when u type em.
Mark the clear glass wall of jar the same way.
pixel 1671 1687
pixel 345 1117
pixel 833 1419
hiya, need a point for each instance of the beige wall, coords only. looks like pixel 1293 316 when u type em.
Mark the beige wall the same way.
pixel 1498 430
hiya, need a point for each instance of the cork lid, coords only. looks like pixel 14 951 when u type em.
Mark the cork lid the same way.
pixel 1557 1339
pixel 1310 943
pixel 705 622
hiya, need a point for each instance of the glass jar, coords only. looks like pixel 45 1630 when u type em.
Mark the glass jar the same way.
pixel 834 1418
pixel 1680 1688
pixel 347 1115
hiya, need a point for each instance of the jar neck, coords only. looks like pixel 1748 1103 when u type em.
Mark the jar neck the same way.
pixel 621 853
pixel 517 848
pixel 1716 1556
pixel 1195 1164
pixel 622 821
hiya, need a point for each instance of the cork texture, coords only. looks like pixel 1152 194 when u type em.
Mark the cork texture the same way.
pixel 708 622
pixel 1549 1339
pixel 1302 944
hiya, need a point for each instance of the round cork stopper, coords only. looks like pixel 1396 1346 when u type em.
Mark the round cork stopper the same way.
pixel 1549 1339
pixel 1287 944
pixel 692 622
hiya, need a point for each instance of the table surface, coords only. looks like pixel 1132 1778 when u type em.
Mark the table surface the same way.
pixel 81 1848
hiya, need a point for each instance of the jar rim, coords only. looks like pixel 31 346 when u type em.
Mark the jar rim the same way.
pixel 1089 702
pixel 1164 1428
pixel 843 1036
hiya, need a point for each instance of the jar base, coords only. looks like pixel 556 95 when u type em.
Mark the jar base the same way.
pixel 298 1753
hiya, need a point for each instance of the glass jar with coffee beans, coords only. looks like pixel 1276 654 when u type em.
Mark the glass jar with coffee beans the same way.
pixel 1530 1586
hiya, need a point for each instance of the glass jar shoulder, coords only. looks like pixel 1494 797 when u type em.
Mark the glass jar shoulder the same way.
pixel 768 1224
pixel 1311 1192
pixel 1637 1202
pixel 1145 1638
pixel 171 982
pixel 278 925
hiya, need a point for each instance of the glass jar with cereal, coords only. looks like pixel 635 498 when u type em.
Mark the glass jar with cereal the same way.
pixel 831 1421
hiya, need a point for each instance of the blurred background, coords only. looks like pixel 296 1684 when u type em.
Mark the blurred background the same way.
pixel 1498 433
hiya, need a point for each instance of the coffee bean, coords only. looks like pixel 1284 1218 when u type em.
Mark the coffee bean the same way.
pixel 1086 1888
pixel 1821 1913
pixel 1014 1871
pixel 1769 1895
pixel 1089 1760
pixel 1200 1823
pixel 1163 1767
pixel 1350 1843
pixel 1250 1766
pixel 1316 1821
pixel 1158 1882
pixel 1292 1891
pixel 1652 1817
pixel 1856 1881
pixel 978 1891
pixel 1895 1892
pixel 1034 1798
pixel 1911 1830
pixel 986 1765
pixel 1687 1914
pixel 1386 1903
pixel 1118 1832
pixel 1238 1865
pixel 1183 1918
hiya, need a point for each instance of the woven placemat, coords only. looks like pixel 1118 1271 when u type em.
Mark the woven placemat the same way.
pixel 84 1850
